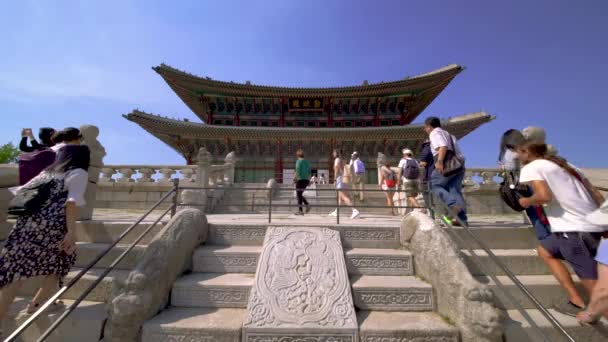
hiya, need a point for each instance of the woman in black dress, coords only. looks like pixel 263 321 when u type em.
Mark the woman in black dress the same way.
pixel 43 243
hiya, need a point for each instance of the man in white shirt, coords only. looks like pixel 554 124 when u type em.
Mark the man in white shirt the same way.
pixel 447 188
pixel 560 188
pixel 358 169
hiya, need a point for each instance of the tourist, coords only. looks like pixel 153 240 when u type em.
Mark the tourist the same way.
pixel 302 177
pixel 341 186
pixel 447 186
pixel 314 179
pixel 67 136
pixel 427 165
pixel 44 134
pixel 507 156
pixel 43 243
pixel 322 179
pixel 598 305
pixel 358 169
pixel 409 173
pixel 567 197
pixel 388 183
pixel 509 162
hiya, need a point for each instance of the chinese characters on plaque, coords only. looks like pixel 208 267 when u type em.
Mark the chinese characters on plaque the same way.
pixel 305 104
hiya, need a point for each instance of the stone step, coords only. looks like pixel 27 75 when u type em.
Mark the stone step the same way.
pixel 226 259
pixel 381 262
pixel 212 290
pixel 100 293
pixel 404 326
pixel 518 261
pixel 544 287
pixel 359 261
pixel 83 324
pixel 392 293
pixel 352 235
pixel 108 231
pixel 499 236
pixel 517 329
pixel 88 251
pixel 195 324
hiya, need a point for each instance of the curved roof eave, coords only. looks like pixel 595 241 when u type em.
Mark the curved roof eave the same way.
pixel 423 81
pixel 157 125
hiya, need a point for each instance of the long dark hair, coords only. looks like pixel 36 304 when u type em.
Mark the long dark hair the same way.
pixel 66 134
pixel 511 139
pixel 71 157
pixel 541 151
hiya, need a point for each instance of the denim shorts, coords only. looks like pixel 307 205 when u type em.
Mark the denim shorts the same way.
pixel 577 248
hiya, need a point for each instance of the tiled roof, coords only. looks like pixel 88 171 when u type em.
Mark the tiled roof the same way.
pixel 162 128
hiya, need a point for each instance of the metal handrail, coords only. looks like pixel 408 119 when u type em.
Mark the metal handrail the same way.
pixel 543 310
pixel 270 203
pixel 110 268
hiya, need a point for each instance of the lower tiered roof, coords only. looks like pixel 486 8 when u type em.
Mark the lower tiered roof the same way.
pixel 270 142
pixel 164 127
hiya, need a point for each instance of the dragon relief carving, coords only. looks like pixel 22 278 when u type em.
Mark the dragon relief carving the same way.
pixel 301 281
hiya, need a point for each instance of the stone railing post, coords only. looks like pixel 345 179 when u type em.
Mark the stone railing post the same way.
pixel 9 177
pixel 126 173
pixel 146 175
pixel 187 175
pixel 166 175
pixel 90 134
pixel 106 175
pixel 203 161
pixel 230 164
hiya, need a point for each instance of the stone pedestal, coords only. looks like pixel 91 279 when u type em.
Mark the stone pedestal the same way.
pixel 90 134
pixel 301 290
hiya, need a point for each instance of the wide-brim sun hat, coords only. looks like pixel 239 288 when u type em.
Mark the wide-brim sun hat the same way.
pixel 600 215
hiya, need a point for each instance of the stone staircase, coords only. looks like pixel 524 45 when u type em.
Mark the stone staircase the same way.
pixel 515 245
pixel 284 200
pixel 85 323
pixel 210 304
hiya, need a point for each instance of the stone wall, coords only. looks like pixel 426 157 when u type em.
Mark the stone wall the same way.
pixel 460 298
pixel 146 289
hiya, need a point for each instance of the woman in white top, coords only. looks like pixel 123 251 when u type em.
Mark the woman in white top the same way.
pixel 43 243
pixel 342 186
pixel 567 197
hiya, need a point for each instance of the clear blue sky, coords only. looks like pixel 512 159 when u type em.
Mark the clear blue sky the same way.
pixel 65 63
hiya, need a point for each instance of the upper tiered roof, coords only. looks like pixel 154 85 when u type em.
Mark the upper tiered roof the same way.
pixel 419 90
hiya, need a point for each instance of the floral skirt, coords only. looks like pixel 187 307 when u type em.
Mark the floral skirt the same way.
pixel 33 248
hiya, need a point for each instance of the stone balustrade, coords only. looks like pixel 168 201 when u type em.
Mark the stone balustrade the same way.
pixel 477 177
pixel 146 174
pixel 140 186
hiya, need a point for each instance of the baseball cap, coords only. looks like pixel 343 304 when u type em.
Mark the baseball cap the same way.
pixel 407 151
pixel 600 215
pixel 355 153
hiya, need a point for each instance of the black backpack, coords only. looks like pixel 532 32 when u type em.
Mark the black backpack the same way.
pixel 411 170
pixel 511 191
pixel 31 197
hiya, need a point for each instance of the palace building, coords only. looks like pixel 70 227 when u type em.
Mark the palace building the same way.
pixel 265 125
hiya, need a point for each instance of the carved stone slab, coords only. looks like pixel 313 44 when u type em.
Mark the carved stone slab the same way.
pixel 301 290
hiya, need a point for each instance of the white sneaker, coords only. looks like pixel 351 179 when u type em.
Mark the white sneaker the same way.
pixel 333 213
pixel 355 214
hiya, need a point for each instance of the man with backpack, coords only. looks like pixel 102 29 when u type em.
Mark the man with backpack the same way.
pixel 409 173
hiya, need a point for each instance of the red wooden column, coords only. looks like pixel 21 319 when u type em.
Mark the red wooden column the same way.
pixel 237 119
pixel 377 115
pixel 278 163
pixel 282 124
pixel 330 119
